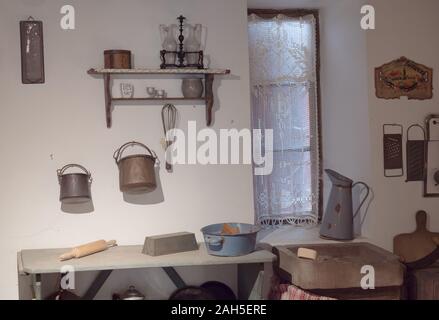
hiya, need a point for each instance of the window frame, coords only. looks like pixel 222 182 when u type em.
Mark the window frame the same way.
pixel 294 13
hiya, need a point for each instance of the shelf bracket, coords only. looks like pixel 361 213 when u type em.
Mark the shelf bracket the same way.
pixel 108 99
pixel 208 93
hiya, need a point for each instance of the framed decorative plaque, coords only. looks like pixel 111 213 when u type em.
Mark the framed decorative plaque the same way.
pixel 32 51
pixel 404 77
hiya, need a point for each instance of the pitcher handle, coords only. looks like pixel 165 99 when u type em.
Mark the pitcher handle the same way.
pixel 364 199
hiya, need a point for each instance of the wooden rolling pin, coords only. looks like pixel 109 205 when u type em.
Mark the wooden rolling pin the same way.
pixel 87 249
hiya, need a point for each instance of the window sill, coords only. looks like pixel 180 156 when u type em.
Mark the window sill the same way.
pixel 297 235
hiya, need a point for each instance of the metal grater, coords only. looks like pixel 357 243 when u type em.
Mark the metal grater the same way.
pixel 415 156
pixel 392 143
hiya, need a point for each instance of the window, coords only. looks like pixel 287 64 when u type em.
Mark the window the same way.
pixel 283 48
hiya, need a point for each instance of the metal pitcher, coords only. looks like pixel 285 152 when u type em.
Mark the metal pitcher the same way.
pixel 74 187
pixel 338 221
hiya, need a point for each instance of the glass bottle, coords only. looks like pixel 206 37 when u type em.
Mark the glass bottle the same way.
pixel 167 34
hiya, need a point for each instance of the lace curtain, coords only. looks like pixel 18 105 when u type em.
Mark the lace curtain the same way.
pixel 283 88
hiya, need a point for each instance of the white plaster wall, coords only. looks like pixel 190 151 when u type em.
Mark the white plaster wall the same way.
pixel 404 28
pixel 65 118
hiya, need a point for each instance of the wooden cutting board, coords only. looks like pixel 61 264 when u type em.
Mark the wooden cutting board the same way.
pixel 419 244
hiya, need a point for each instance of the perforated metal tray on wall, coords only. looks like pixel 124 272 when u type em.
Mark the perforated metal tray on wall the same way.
pixel 32 51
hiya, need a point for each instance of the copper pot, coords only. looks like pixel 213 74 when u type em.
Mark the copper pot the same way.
pixel 74 187
pixel 136 172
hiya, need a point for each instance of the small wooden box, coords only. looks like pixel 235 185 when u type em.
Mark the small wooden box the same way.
pixel 117 59
pixel 170 243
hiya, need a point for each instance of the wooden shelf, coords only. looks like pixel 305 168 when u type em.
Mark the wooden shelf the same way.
pixel 159 99
pixel 159 71
pixel 108 75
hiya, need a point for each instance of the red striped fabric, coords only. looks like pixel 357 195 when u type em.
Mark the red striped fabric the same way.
pixel 290 292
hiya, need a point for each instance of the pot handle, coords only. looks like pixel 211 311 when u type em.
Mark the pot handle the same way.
pixel 118 153
pixel 214 241
pixel 365 197
pixel 61 171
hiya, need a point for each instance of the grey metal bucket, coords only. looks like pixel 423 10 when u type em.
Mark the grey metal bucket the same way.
pixel 74 187
pixel 225 245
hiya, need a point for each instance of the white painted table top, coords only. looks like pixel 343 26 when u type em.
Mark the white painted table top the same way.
pixel 128 257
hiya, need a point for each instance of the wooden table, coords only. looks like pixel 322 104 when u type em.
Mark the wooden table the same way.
pixel 33 263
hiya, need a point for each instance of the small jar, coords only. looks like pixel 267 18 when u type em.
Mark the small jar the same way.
pixel 192 88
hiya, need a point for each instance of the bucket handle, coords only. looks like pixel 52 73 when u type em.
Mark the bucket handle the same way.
pixel 61 171
pixel 365 197
pixel 118 153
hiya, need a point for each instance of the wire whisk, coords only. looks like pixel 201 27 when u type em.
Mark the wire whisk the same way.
pixel 169 119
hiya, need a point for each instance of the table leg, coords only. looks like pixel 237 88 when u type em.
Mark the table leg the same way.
pixel 247 276
pixel 175 277
pixel 267 282
pixel 97 284
pixel 36 286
